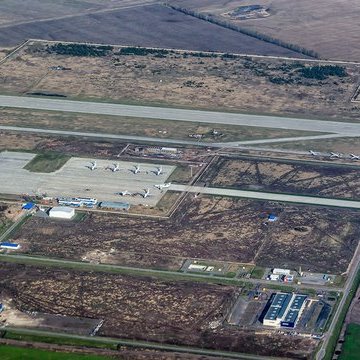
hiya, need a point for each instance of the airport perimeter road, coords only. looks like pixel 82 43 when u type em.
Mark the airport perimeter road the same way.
pixel 310 200
pixel 165 274
pixel 141 344
pixel 212 117
pixel 352 273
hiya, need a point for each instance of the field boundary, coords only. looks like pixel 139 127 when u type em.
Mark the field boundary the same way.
pixel 182 51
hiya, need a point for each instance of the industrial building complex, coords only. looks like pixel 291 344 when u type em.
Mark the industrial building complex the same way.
pixel 284 310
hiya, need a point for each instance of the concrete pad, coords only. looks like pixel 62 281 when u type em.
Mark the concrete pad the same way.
pixel 75 179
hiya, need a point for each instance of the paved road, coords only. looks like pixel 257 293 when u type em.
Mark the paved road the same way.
pixel 354 268
pixel 268 196
pixel 180 115
pixel 12 227
pixel 73 264
pixel 144 344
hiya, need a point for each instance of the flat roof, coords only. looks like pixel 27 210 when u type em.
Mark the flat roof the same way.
pixel 291 316
pixel 298 302
pixel 272 313
pixel 65 209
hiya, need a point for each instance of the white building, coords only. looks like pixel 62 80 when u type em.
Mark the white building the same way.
pixel 278 271
pixel 62 212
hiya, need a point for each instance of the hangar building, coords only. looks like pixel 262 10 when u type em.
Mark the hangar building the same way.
pixel 62 212
pixel 284 310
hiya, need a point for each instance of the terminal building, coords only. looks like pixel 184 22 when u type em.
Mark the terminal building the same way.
pixel 77 202
pixel 284 310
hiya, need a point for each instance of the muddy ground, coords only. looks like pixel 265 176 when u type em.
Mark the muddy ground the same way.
pixel 245 84
pixel 223 229
pixel 327 180
pixel 143 308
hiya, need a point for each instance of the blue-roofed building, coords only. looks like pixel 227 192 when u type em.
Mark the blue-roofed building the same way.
pixel 7 245
pixel 272 217
pixel 28 206
pixel 285 310
pixel 1 307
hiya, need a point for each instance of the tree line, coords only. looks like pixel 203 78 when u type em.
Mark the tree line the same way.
pixel 252 33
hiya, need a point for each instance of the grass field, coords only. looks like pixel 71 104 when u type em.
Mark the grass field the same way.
pixel 8 352
pixel 47 162
pixel 351 347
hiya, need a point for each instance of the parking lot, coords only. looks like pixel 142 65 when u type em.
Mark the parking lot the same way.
pixel 75 179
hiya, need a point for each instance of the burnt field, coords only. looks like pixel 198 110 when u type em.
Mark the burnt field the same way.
pixel 223 229
pixel 157 26
pixel 281 176
pixel 68 145
pixel 143 308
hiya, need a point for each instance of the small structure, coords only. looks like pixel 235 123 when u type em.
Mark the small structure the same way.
pixel 116 205
pixel 272 218
pixel 274 277
pixel 62 212
pixel 278 271
pixel 197 267
pixel 1 308
pixel 28 206
pixel 11 246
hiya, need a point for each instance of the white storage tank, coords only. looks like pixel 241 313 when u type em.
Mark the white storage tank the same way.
pixel 62 212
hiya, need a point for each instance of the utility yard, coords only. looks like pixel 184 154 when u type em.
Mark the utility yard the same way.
pixel 213 228
pixel 183 313
pixel 193 80
pixel 285 176
pixel 76 179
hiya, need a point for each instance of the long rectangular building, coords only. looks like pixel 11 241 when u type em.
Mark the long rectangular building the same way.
pixel 285 310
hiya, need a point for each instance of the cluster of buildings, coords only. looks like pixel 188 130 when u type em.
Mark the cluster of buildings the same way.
pixel 283 275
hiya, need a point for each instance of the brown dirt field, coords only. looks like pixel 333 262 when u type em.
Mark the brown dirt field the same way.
pixel 16 11
pixel 213 83
pixel 210 228
pixel 327 28
pixel 143 308
pixel 328 180
pixel 160 27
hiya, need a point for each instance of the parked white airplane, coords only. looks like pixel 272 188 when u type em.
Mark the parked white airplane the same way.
pixel 313 153
pixel 115 168
pixel 158 171
pixel 137 169
pixel 334 155
pixel 92 166
pixel 354 157
pixel 146 194
pixel 163 186
pixel 124 193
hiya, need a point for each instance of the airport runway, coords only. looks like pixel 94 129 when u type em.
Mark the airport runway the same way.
pixel 308 200
pixel 277 122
